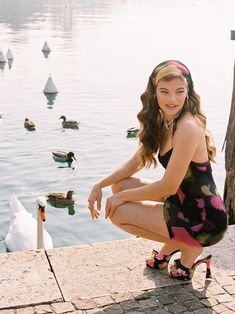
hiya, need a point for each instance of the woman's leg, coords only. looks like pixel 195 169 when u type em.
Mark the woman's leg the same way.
pixel 146 220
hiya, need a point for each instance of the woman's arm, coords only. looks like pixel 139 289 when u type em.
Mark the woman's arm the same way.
pixel 127 169
pixel 186 141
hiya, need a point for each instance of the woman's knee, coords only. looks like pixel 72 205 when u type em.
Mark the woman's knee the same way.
pixel 119 186
pixel 116 188
pixel 117 217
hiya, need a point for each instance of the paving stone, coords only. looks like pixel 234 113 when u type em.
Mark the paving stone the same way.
pixel 166 299
pixel 222 298
pixel 25 310
pixel 113 309
pixel 182 296
pixel 93 311
pixel 160 311
pixel 203 311
pixel 6 311
pixel 219 308
pixel 84 304
pixel 129 305
pixel 148 303
pixel 43 309
pixel 64 307
pixel 225 280
pixel 193 305
pixel 136 312
pixel 159 291
pixel 177 308
pixel 141 296
pixel 209 302
pixel 231 305
pixel 105 300
pixel 204 294
pixel 216 289
pixel 31 282
pixel 230 289
pixel 119 297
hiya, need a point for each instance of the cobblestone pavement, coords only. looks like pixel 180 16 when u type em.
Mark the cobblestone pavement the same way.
pixel 112 278
pixel 186 298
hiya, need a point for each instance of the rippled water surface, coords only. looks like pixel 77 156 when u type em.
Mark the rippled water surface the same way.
pixel 102 54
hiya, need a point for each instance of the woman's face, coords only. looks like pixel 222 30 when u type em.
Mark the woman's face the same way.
pixel 171 96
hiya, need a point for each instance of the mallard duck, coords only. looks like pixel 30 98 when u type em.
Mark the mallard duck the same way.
pixel 132 132
pixel 25 232
pixel 63 198
pixel 63 156
pixel 30 125
pixel 69 124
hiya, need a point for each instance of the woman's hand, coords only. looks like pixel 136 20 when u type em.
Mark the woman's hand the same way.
pixel 113 202
pixel 94 201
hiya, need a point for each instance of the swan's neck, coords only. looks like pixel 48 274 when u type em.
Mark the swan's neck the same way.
pixel 40 233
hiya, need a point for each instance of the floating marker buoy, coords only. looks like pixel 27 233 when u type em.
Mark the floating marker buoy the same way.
pixel 50 87
pixel 9 55
pixel 45 47
pixel 2 58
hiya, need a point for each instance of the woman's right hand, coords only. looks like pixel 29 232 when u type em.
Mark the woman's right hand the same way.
pixel 94 201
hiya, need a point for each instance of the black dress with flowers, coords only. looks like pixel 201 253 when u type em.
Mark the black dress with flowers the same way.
pixel 195 215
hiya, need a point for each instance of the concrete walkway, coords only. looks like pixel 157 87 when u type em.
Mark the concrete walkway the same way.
pixel 111 277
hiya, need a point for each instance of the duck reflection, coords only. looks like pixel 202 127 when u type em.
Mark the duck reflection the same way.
pixel 70 208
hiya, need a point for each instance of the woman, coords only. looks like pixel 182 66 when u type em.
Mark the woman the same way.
pixel 183 209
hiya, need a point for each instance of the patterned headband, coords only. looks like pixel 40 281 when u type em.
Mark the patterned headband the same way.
pixel 171 67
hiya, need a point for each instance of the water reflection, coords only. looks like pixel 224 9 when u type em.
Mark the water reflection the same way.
pixel 51 99
pixel 21 14
pixel 9 62
pixel 46 53
pixel 70 208
pixel 2 66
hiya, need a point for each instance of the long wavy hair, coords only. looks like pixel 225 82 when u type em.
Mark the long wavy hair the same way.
pixel 151 118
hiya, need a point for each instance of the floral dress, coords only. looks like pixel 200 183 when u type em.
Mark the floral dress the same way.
pixel 195 215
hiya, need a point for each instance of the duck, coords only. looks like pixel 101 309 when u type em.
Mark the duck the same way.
pixel 63 156
pixel 62 198
pixel 30 125
pixel 25 232
pixel 69 124
pixel 132 132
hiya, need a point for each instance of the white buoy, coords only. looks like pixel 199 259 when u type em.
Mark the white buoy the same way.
pixel 9 55
pixel 46 48
pixel 50 87
pixel 2 58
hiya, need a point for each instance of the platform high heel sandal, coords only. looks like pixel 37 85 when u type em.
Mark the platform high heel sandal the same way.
pixel 178 271
pixel 159 261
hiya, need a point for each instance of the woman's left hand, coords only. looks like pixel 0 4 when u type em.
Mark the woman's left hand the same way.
pixel 111 204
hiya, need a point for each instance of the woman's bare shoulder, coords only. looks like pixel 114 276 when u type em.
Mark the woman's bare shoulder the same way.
pixel 189 125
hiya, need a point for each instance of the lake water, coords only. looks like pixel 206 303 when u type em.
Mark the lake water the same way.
pixel 102 54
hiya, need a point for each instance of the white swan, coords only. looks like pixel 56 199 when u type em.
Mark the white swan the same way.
pixel 25 233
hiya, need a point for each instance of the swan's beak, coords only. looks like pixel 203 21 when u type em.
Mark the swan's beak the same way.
pixel 42 213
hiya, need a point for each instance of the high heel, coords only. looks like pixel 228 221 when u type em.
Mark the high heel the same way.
pixel 160 262
pixel 179 271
